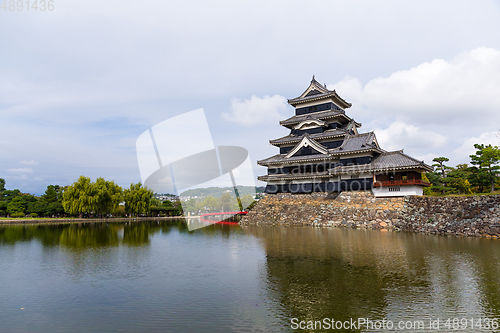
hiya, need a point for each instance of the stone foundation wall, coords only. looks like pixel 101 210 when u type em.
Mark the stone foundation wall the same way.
pixel 468 216
pixel 347 209
pixel 464 216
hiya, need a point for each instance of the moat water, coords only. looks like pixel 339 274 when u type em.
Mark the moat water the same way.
pixel 156 276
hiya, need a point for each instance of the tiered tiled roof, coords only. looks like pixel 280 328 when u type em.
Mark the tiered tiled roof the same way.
pixel 352 144
pixel 290 138
pixel 398 159
pixel 387 161
pixel 315 175
pixel 395 160
pixel 281 159
pixel 320 115
pixel 315 92
pixel 357 142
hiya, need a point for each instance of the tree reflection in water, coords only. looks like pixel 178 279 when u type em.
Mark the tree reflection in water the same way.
pixel 103 234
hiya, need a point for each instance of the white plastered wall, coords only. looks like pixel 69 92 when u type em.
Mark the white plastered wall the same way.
pixel 397 191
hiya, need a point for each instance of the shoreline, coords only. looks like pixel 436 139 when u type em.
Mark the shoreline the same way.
pixel 84 220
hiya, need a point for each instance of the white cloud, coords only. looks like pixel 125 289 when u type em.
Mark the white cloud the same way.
pixel 456 91
pixel 427 158
pixel 467 148
pixel 400 135
pixel 31 162
pixel 21 177
pixel 256 110
pixel 432 107
pixel 20 170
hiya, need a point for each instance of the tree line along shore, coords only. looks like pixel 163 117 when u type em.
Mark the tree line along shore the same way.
pixel 104 199
pixel 85 198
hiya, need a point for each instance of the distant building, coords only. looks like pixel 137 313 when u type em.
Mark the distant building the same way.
pixel 163 197
pixel 324 152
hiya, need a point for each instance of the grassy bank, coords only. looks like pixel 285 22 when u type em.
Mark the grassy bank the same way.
pixel 6 220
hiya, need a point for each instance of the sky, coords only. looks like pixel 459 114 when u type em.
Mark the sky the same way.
pixel 79 84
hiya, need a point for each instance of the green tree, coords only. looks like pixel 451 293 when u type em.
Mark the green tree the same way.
pixel 20 203
pixel 199 206
pixel 137 199
pixel 52 199
pixel 189 206
pixel 438 184
pixel 48 204
pixel 30 200
pixel 3 208
pixel 457 179
pixel 173 208
pixel 80 197
pixel 166 207
pixel 210 203
pixel 84 196
pixel 227 203
pixel 3 204
pixel 486 168
pixel 38 207
pixel 167 204
pixel 8 195
pixel 109 196
pixel 478 178
pixel 246 201
pixel 440 165
pixel 425 178
pixel 156 206
pixel 17 206
pixel 441 171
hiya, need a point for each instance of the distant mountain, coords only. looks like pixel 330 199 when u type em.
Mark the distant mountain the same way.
pixel 217 192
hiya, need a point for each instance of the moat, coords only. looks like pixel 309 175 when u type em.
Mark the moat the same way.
pixel 156 276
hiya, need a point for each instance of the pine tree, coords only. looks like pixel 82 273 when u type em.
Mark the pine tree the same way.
pixel 441 170
pixel 486 169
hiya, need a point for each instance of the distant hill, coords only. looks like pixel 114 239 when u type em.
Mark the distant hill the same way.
pixel 217 192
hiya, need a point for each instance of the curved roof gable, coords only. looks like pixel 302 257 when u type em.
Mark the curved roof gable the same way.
pixel 316 92
pixel 291 138
pixel 308 142
pixel 310 123
pixel 315 88
pixel 320 115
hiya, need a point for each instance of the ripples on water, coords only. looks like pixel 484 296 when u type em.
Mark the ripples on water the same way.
pixel 158 277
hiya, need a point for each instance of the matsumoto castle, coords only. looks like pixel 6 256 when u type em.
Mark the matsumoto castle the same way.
pixel 325 152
